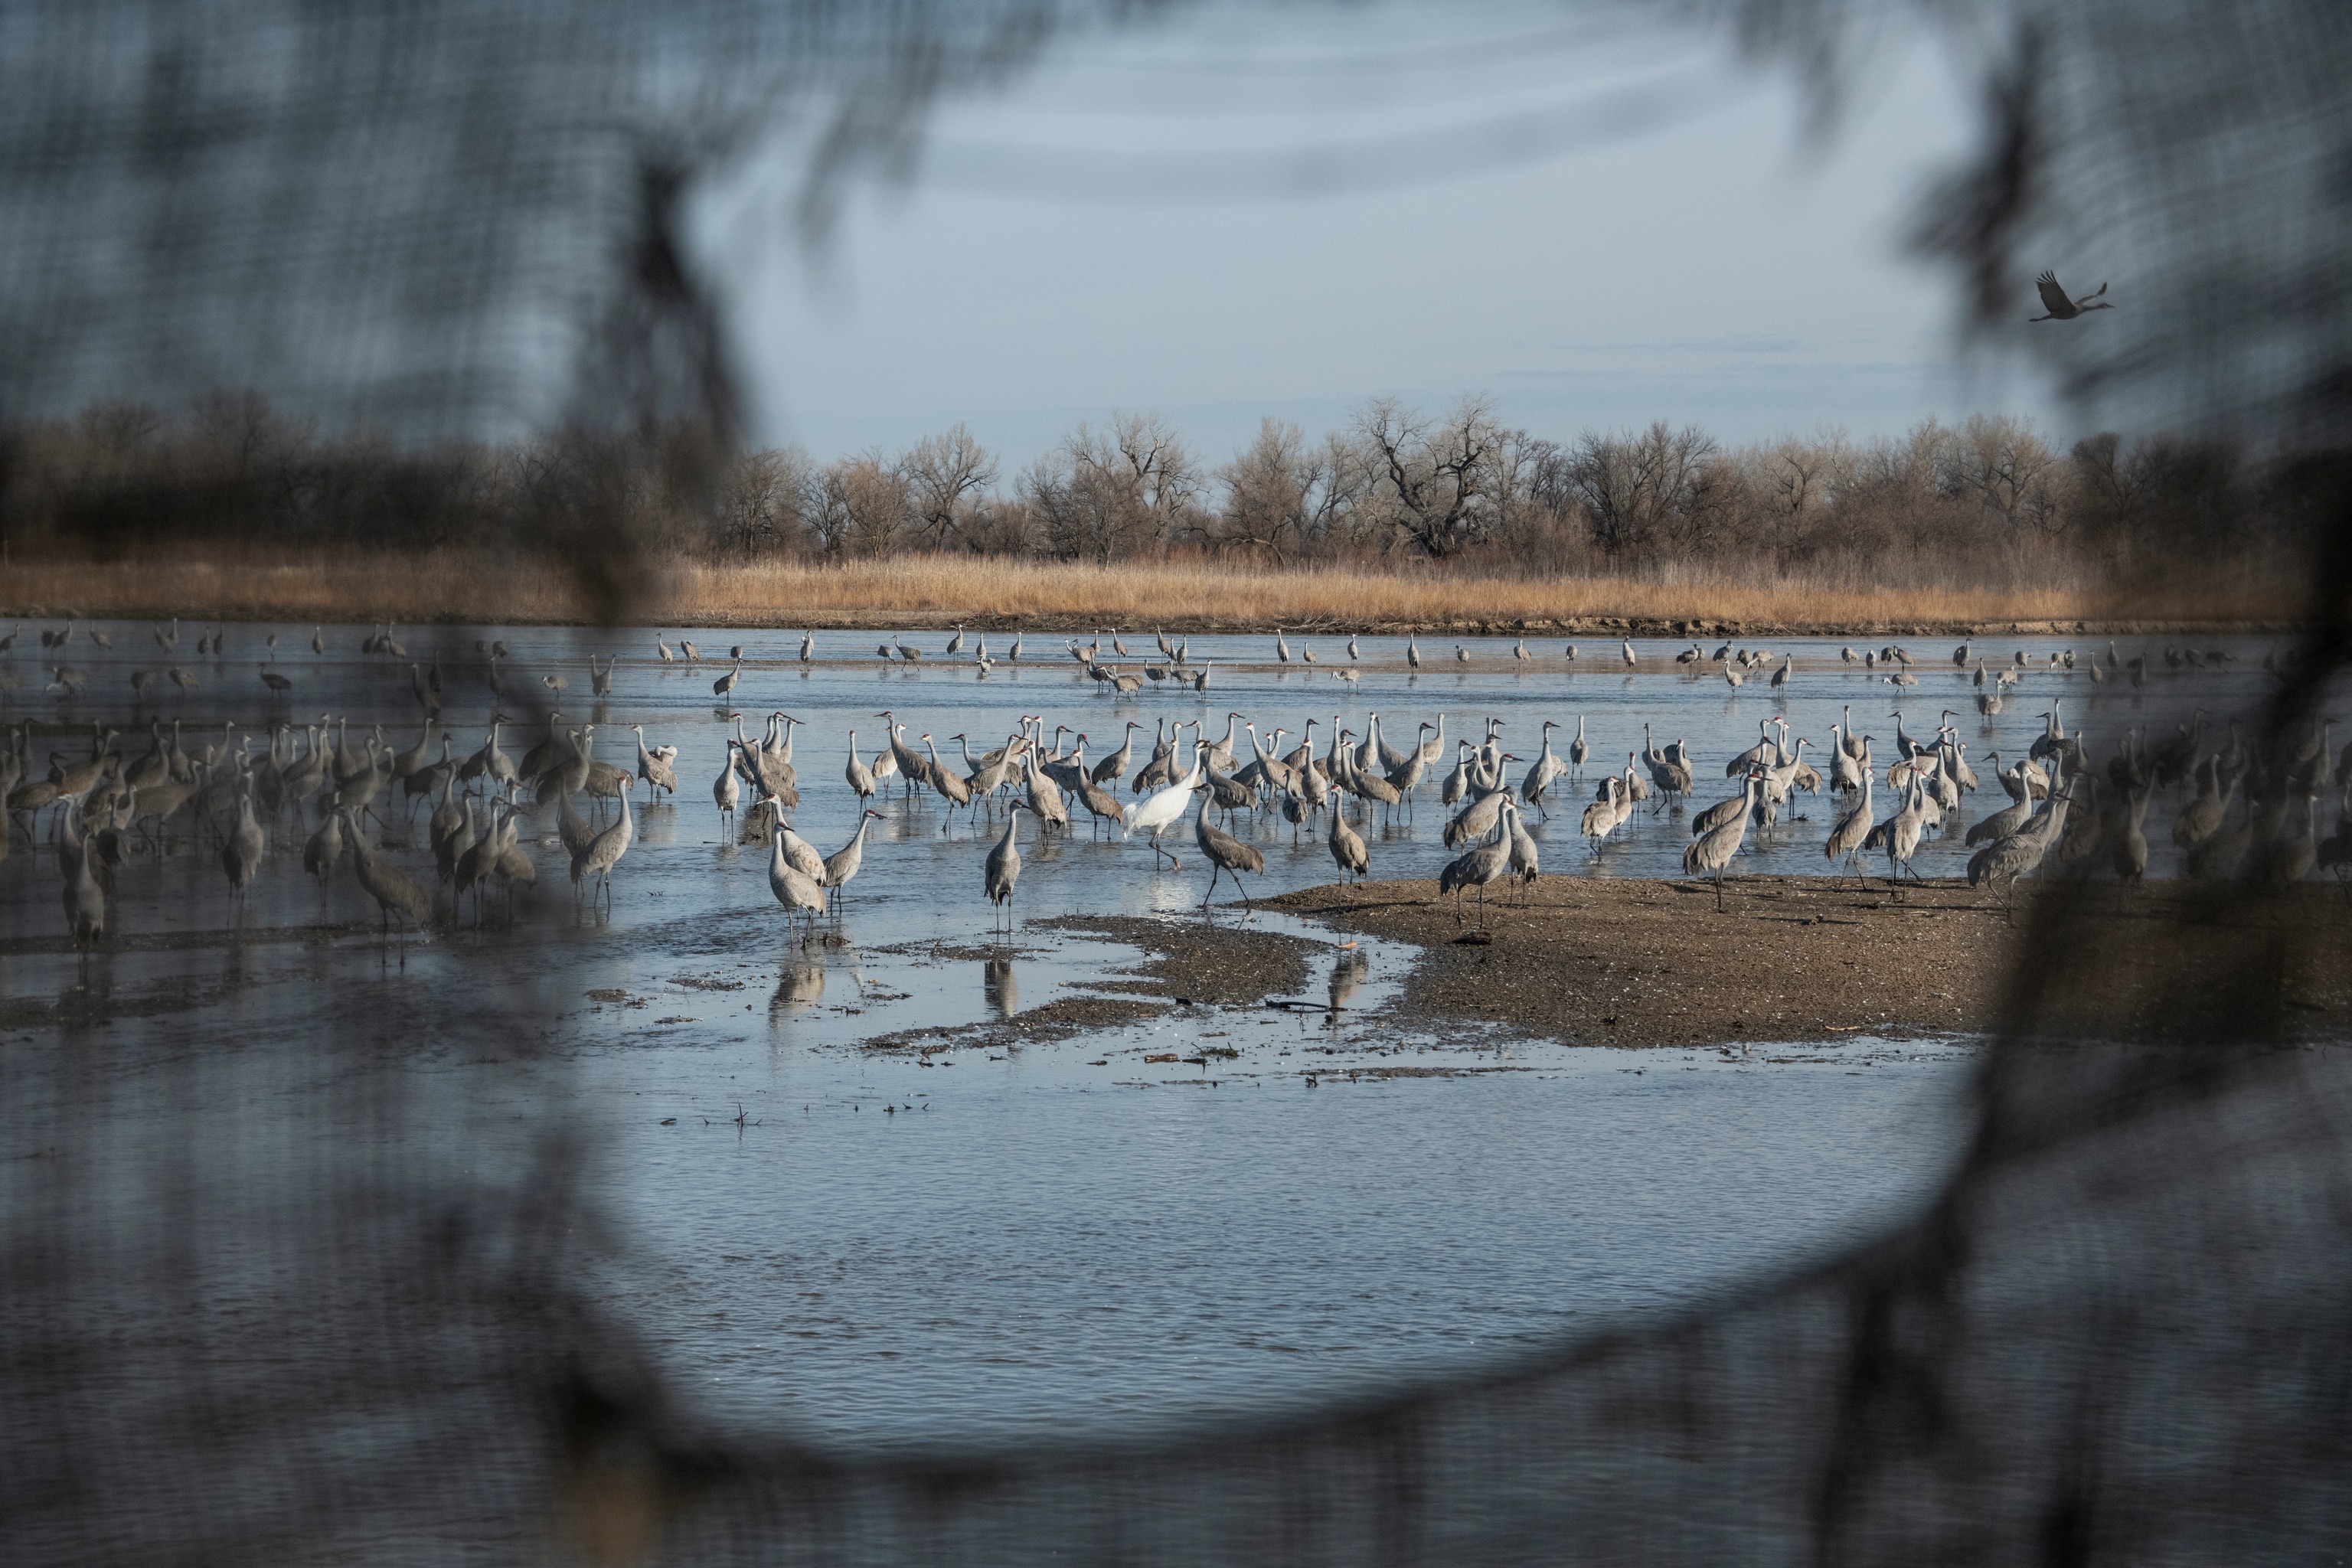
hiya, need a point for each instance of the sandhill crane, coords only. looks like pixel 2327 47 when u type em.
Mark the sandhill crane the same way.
pixel 950 785
pixel 1603 816
pixel 793 888
pixel 1706 822
pixel 1475 819
pixel 655 771
pixel 1013 653
pixel 278 685
pixel 241 855
pixel 451 832
pixel 396 896
pixel 1733 678
pixel 82 898
pixel 1779 779
pixel 906 762
pixel 1281 649
pixel 1305 654
pixel 184 680
pixel 1542 772
pixel 1411 651
pixel 1161 768
pixel 1001 871
pixel 724 790
pixel 2061 308
pixel 1346 847
pixel 601 854
pixel 1227 856
pixel 1482 865
pixel 323 850
pixel 1161 810
pixel 845 862
pixel 861 777
pixel 479 863
pixel 1519 651
pixel 1044 800
pixel 1626 647
pixel 955 643
pixel 1850 831
pixel 2288 858
pixel 1998 865
pixel 2202 816
pixel 1781 675
pixel 1711 853
pixel 1526 863
pixel 2131 843
pixel 1900 833
pixel 1100 802
pixel 1672 778
pixel 1579 750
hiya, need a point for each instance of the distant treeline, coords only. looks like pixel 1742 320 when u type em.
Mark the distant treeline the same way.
pixel 1990 502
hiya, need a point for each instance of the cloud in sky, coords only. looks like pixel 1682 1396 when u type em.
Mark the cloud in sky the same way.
pixel 1595 223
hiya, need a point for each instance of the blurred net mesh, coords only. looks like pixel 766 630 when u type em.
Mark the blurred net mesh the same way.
pixel 2120 1335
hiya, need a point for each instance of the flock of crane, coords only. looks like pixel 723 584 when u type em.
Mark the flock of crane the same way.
pixel 2247 811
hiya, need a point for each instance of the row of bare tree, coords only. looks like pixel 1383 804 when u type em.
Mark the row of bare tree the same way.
pixel 1990 498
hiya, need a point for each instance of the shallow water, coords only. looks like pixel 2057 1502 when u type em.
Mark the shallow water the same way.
pixel 1038 1245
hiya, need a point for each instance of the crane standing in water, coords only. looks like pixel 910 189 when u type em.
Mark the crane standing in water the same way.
pixel 1001 871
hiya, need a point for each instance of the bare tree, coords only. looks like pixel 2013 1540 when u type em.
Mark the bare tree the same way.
pixel 1435 477
pixel 764 501
pixel 946 478
pixel 1107 494
pixel 1269 488
pixel 1638 489
pixel 860 507
pixel 2001 464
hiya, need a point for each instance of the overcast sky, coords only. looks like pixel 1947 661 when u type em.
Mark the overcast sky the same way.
pixel 1234 217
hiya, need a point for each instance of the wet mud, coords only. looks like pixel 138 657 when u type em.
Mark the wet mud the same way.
pixel 1653 962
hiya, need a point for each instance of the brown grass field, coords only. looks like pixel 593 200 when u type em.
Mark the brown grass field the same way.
pixel 484 587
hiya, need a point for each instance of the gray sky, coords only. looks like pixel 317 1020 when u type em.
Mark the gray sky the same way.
pixel 1237 217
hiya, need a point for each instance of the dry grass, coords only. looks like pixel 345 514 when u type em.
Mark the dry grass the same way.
pixel 484 587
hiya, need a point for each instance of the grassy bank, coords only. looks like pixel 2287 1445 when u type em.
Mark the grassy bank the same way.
pixel 485 587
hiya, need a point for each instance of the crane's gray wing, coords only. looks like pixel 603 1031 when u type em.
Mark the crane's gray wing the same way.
pixel 2053 297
